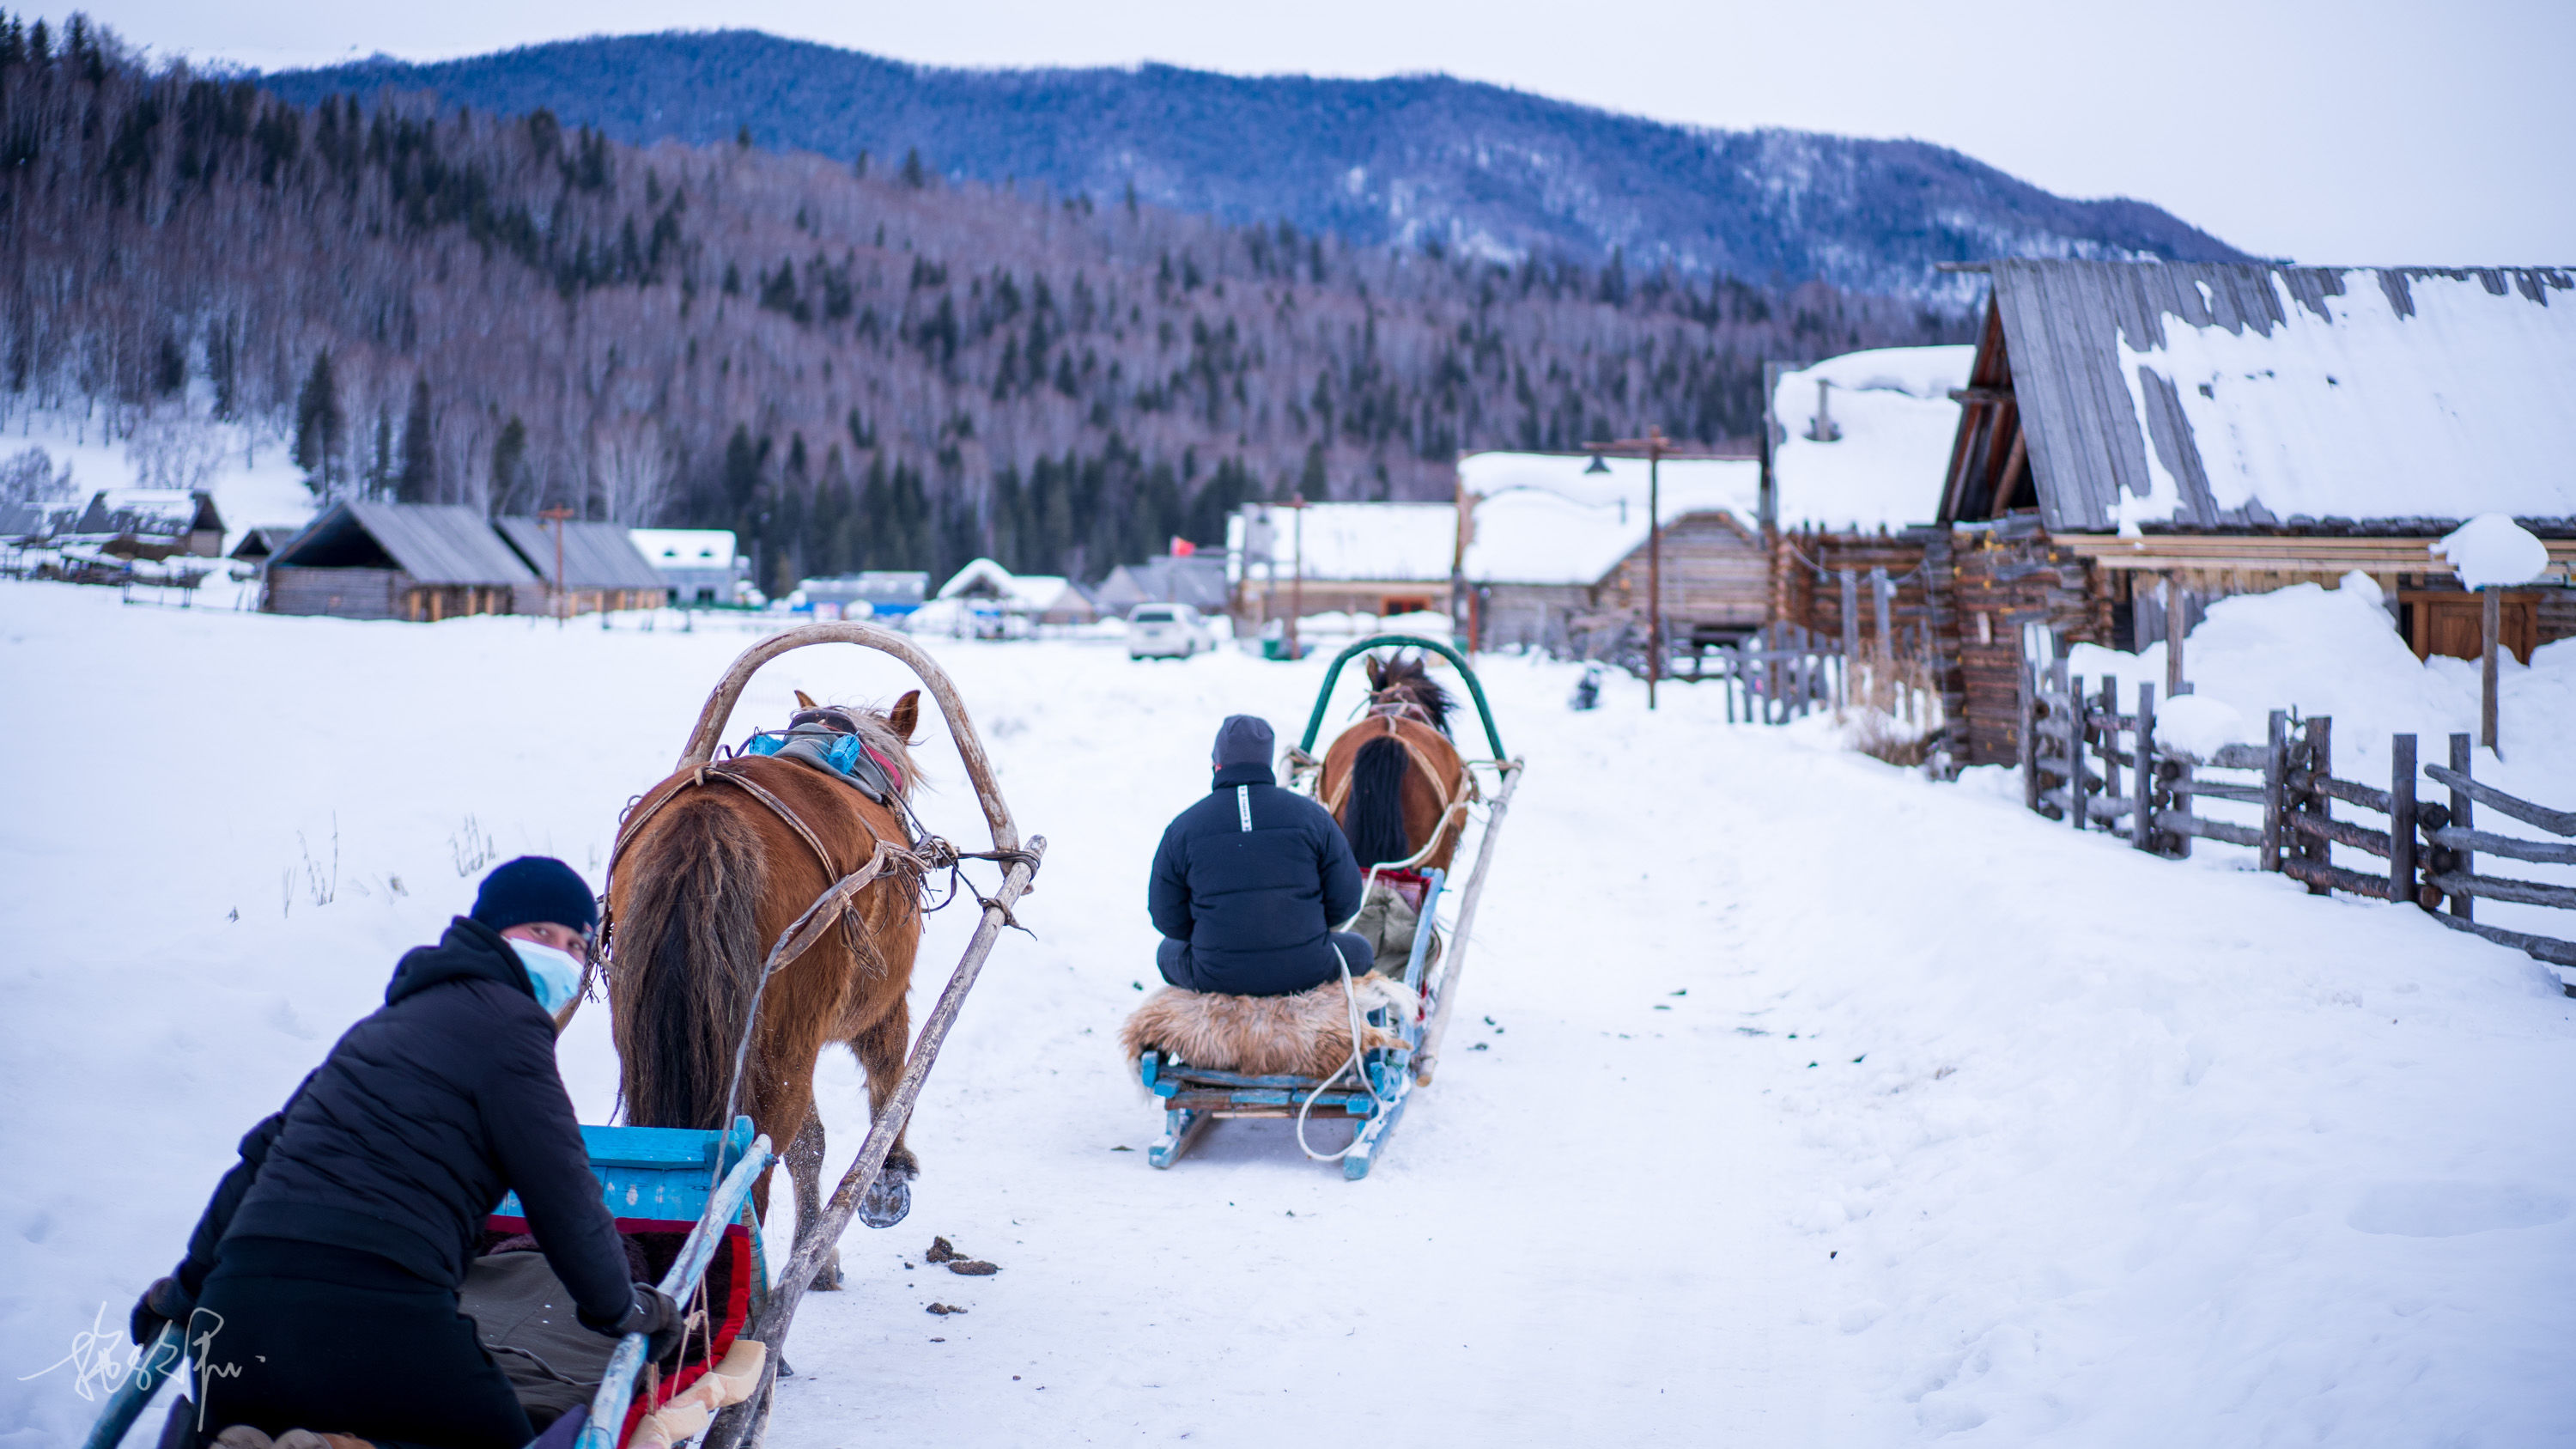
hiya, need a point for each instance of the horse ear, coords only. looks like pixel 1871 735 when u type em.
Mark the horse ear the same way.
pixel 906 714
pixel 1376 672
pixel 804 700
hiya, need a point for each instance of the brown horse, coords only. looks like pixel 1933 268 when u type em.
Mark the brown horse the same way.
pixel 1394 780
pixel 708 874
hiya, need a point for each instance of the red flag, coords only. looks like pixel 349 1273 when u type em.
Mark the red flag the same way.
pixel 1182 547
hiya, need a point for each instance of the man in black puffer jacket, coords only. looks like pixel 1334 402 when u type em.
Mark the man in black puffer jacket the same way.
pixel 1249 882
pixel 323 1277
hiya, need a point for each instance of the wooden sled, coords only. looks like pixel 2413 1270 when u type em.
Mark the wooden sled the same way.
pixel 1386 1078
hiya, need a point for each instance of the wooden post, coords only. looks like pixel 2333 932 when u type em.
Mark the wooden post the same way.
pixel 2027 745
pixel 2142 765
pixel 2175 627
pixel 2314 800
pixel 1881 594
pixel 2276 777
pixel 1851 629
pixel 2490 625
pixel 2110 737
pixel 2075 771
pixel 2464 814
pixel 2401 819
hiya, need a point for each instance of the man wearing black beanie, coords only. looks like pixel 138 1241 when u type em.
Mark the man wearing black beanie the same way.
pixel 1249 882
pixel 323 1276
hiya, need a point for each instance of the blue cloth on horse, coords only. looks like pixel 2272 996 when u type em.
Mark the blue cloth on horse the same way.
pixel 1246 888
pixel 400 1144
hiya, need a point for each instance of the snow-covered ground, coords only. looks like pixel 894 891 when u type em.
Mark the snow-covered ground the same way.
pixel 1819 1104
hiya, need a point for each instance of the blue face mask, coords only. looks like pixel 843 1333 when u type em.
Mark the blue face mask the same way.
pixel 556 976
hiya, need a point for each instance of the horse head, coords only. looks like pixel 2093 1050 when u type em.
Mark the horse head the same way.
pixel 1402 685
pixel 886 733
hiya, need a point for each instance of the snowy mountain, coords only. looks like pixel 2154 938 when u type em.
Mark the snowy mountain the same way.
pixel 1426 160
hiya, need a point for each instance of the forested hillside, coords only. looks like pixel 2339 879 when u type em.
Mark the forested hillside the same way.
pixel 857 366
pixel 1409 160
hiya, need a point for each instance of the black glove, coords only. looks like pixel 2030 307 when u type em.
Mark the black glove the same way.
pixel 656 1315
pixel 164 1302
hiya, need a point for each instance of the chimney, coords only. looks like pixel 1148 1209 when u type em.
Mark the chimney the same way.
pixel 1822 428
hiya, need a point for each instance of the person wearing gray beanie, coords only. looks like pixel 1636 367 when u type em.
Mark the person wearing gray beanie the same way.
pixel 1249 882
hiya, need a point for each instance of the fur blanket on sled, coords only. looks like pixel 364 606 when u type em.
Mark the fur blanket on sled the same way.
pixel 1306 1035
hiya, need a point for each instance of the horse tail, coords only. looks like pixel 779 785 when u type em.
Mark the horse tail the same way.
pixel 688 957
pixel 1373 820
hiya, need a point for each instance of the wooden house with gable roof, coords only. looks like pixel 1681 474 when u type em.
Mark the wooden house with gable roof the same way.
pixel 2138 432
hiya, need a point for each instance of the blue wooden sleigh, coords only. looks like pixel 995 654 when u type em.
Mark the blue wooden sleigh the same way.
pixel 684 1195
pixel 1195 1096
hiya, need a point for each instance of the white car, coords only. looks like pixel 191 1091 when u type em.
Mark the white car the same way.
pixel 1167 631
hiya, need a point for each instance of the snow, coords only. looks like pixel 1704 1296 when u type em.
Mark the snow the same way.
pixel 1821 1105
pixel 1893 407
pixel 1027 591
pixel 1540 518
pixel 254 481
pixel 685 548
pixel 2467 406
pixel 1357 542
pixel 2336 652
pixel 2493 549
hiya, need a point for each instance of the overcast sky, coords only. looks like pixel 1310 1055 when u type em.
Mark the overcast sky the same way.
pixel 2362 131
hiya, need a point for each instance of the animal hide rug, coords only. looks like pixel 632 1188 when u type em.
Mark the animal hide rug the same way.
pixel 1306 1035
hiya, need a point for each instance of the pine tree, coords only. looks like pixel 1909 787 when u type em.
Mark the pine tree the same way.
pixel 416 477
pixel 509 466
pixel 913 175
pixel 318 422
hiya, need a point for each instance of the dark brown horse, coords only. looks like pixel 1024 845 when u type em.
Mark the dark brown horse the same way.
pixel 1394 780
pixel 708 876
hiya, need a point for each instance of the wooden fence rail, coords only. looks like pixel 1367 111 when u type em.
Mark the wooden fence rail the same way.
pixel 2085 761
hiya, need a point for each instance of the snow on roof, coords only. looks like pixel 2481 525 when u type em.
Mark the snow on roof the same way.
pixel 2233 394
pixel 1347 542
pixel 1894 423
pixel 148 510
pixel 1541 519
pixel 988 579
pixel 684 548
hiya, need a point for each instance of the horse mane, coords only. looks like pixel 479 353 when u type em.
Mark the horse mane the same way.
pixel 876 728
pixel 1406 679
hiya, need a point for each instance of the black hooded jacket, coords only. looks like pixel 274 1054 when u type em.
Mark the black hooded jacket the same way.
pixel 1253 878
pixel 402 1142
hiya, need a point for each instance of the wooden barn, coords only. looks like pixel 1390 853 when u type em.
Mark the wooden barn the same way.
pixel 152 523
pixel 1355 558
pixel 416 561
pixel 602 570
pixel 2141 438
pixel 1553 553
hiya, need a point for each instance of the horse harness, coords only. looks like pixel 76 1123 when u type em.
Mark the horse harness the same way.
pixel 1395 712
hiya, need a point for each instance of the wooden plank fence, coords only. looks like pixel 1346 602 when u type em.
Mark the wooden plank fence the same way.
pixel 2086 762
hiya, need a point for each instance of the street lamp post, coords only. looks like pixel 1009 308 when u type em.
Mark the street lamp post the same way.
pixel 1654 448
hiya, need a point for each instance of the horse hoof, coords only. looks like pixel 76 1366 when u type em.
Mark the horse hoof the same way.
pixel 889 1199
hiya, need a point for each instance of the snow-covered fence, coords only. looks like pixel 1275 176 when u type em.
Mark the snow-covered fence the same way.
pixel 2086 762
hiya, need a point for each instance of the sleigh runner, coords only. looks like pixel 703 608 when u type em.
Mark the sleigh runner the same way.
pixel 1390 1019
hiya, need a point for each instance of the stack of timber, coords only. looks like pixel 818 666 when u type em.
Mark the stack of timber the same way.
pixel 2002 577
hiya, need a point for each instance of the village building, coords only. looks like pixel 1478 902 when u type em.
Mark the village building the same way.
pixel 874 593
pixel 260 542
pixel 581 567
pixel 985 600
pixel 1553 552
pixel 1379 559
pixel 152 523
pixel 1852 440
pixel 415 561
pixel 698 565
pixel 1196 580
pixel 2141 438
